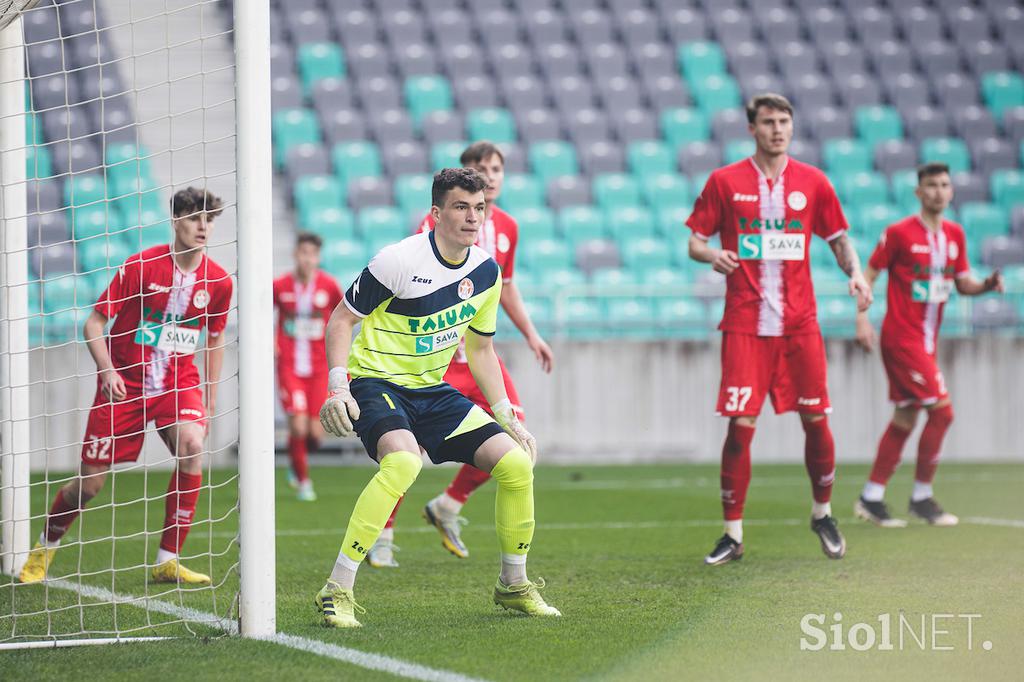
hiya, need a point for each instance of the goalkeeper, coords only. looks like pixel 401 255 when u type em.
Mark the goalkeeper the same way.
pixel 416 300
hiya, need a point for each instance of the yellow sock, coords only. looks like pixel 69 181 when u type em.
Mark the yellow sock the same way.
pixel 397 472
pixel 513 506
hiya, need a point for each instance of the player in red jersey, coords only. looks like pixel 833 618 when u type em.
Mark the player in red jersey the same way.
pixel 926 256
pixel 304 300
pixel 766 209
pixel 499 236
pixel 160 300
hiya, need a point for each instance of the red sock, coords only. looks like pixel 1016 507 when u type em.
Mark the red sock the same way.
pixel 391 519
pixel 735 476
pixel 890 449
pixel 297 454
pixel 929 448
pixel 60 518
pixel 465 482
pixel 820 458
pixel 179 508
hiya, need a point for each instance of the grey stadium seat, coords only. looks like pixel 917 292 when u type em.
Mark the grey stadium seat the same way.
pixel 992 153
pixel 404 157
pixel 307 159
pixel 633 125
pixel 998 252
pixel 538 125
pixel 367 191
pixel 526 91
pixel 76 156
pixel 618 93
pixel 285 93
pixel 684 24
pixel 475 92
pixel 52 260
pixel 778 24
pixel 331 94
pixel 568 190
pixel 895 155
pixel 973 122
pixel 587 125
pixel 415 59
pixel 597 254
pixel 368 61
pixel 391 125
pixel 923 122
pixel 378 93
pixel 806 151
pixel 699 157
pixel 829 122
pixel 600 157
pixel 994 313
pixel 46 228
pixel 443 126
pixel 969 187
pixel 344 125
pixel 665 92
pixel 730 124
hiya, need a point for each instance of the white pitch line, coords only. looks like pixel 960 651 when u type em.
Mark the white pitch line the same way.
pixel 362 659
pixel 986 521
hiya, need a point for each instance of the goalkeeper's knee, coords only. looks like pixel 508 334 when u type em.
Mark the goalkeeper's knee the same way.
pixel 514 471
pixel 397 472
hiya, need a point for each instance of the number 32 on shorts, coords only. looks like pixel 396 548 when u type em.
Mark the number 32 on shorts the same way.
pixel 738 397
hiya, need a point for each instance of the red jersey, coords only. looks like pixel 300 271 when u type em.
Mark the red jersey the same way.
pixel 303 311
pixel 922 265
pixel 159 312
pixel 498 237
pixel 769 226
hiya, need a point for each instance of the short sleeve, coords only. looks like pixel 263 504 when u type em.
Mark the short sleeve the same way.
pixel 375 284
pixel 829 222
pixel 961 263
pixel 124 285
pixel 706 218
pixel 220 306
pixel 510 257
pixel 881 257
pixel 485 322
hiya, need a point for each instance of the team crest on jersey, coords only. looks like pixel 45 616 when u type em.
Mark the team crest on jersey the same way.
pixel 466 288
pixel 954 250
pixel 797 201
pixel 320 299
pixel 503 243
pixel 200 299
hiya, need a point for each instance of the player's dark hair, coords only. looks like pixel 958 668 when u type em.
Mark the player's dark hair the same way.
pixel 770 100
pixel 308 238
pixel 447 179
pixel 192 200
pixel 926 170
pixel 480 151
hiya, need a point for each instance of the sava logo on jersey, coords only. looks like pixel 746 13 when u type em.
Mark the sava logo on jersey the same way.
pixel 771 247
pixel 428 344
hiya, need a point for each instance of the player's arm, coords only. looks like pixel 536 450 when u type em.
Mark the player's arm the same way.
pixel 849 262
pixel 512 302
pixel 214 359
pixel 722 260
pixel 483 365
pixel 340 410
pixel 865 336
pixel 111 383
pixel 972 286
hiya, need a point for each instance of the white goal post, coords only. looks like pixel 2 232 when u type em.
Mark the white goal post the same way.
pixel 22 504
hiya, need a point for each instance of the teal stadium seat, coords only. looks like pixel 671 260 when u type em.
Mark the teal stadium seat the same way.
pixel 614 190
pixel 650 158
pixel 665 280
pixel 545 255
pixel 837 315
pixel 631 317
pixel 716 93
pixel 672 221
pixel 737 150
pixel 947 150
pixel 844 156
pixel 331 222
pixel 62 327
pixel 101 254
pixel 552 159
pixel 699 59
pixel 412 193
pixel 644 253
pixel 424 94
pixel 625 222
pixel 446 155
pixel 583 317
pixel 682 317
pixel 315 192
pixel 581 223
pixel 292 127
pixel 521 191
pixel 317 61
pixel 1001 91
pixel 562 278
pixel 38 162
pixel 535 222
pixel 356 159
pixel 878 123
pixel 903 184
pixel 614 278
pixel 1007 188
pixel 146 226
pixel 684 125
pixel 126 159
pixel 982 220
pixel 344 256
pixel 89 221
pixel 872 220
pixel 85 189
pixel 378 222
pixel 666 191
pixel 863 189
pixel 494 124
pixel 59 294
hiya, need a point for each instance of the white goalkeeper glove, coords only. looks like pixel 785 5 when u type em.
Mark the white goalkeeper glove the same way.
pixel 506 417
pixel 340 410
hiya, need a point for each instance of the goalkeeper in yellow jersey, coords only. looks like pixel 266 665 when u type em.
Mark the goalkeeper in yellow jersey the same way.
pixel 416 300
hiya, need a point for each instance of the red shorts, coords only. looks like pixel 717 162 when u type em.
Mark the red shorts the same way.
pixel 301 395
pixel 914 375
pixel 115 431
pixel 791 369
pixel 460 378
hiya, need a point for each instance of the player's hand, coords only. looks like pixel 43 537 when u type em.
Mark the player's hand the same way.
pixel 545 356
pixel 112 385
pixel 860 289
pixel 506 417
pixel 994 282
pixel 865 337
pixel 339 412
pixel 725 261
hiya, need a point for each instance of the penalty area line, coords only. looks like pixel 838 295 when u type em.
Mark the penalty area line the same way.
pixel 362 659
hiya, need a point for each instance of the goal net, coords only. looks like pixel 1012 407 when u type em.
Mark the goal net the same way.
pixel 116 505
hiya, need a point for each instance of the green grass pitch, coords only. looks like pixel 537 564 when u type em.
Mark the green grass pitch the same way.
pixel 621 550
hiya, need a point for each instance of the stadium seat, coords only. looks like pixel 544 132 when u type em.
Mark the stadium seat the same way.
pixel 612 190
pixel 630 317
pixel 496 125
pixel 544 255
pixel 580 223
pixel 318 61
pixel 331 222
pixel 379 222
pixel 666 190
pixel 647 158
pixel 568 190
pixel 292 127
pixel 877 124
pixel 85 189
pixel 446 155
pixel 58 294
pixel 426 94
pixel 412 192
pixel 715 93
pixel 872 219
pixel 863 189
pixel 356 159
pixel 684 318
pixel 630 222
pixel 315 192
pixel 583 317
pixel 1007 188
pixel 91 221
pixel 126 159
pixel 551 159
pixel 846 156
pixel 737 150
pixel 344 256
pixel 837 315
pixel 38 163
pixel 521 190
pixel 535 222
pixel 1002 90
pixel 700 59
pixel 980 221
pixel 645 253
pixel 684 125
pixel 101 255
pixel 612 279
pixel 949 151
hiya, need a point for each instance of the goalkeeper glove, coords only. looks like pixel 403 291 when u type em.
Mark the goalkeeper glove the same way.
pixel 340 410
pixel 506 417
